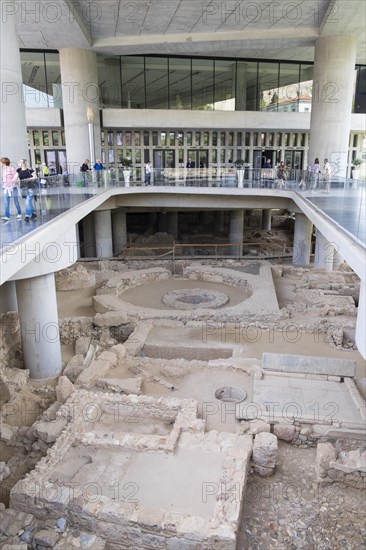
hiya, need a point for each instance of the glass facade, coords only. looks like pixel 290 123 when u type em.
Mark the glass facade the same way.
pixel 157 82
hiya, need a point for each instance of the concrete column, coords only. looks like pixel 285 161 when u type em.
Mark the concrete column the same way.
pixel 219 221
pixel 330 125
pixel 241 87
pixel 103 233
pixel 205 217
pixel 236 232
pixel 173 224
pixel 8 297
pixel 361 321
pixel 266 219
pixel 39 326
pixel 119 230
pixel 89 236
pixel 337 260
pixel 247 217
pixel 13 144
pixel 163 222
pixel 324 253
pixel 302 240
pixel 80 91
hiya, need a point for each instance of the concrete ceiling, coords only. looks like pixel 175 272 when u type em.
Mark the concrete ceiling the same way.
pixel 272 29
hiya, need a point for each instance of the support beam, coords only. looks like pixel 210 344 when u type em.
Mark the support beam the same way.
pixel 266 219
pixel 361 321
pixel 39 326
pixel 119 231
pixel 324 253
pixel 89 236
pixel 236 232
pixel 8 297
pixel 103 233
pixel 302 240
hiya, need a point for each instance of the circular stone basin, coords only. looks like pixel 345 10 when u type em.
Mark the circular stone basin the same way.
pixel 229 394
pixel 194 298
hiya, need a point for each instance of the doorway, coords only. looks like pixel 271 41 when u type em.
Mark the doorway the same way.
pixel 55 159
pixel 199 158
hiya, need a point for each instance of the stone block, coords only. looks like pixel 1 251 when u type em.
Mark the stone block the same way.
pixel 82 345
pixel 64 389
pixel 49 431
pixel 110 319
pixel 325 454
pixel 262 471
pixel 309 365
pixel 265 450
pixel 286 432
pixel 258 426
pixel 46 538
pixel 7 432
pixel 74 367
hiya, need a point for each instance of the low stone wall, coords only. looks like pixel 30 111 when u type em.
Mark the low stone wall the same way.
pixel 346 467
pixel 132 278
pixel 127 524
pixel 11 354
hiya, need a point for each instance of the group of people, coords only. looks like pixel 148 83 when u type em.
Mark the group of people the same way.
pixel 85 169
pixel 20 182
pixel 316 173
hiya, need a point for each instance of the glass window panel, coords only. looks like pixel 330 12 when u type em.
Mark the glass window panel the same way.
pixel 355 140
pixel 119 155
pixel 231 139
pixel 128 138
pixel 287 140
pixel 271 139
pixel 146 138
pixel 278 139
pixel 119 138
pixel 46 139
pixel 202 84
pixel 111 156
pixel 239 139
pixel 303 140
pixel 156 73
pixel 36 138
pixel 222 139
pixel 28 139
pixel 133 82
pixel 246 97
pixel 214 139
pixel 255 139
pixel 34 80
pixel 110 138
pixel 163 138
pixel 189 139
pixel 268 86
pixel 214 155
pixel 359 103
pixel 294 140
pixel 63 139
pixel 129 153
pixel 181 138
pixel 247 139
pixel 305 88
pixel 109 80
pixel 180 83
pixel 55 138
pixel 103 156
pixel 246 156
pixel 289 87
pixel 53 74
pixel 181 156
pixel 37 156
pixel 155 138
pixel 138 155
pixel 206 138
pixel 222 156
pixel 224 85
pixel 263 139
pixel 198 138
pixel 102 138
pixel 230 155
pixel 172 138
pixel 146 155
pixel 137 139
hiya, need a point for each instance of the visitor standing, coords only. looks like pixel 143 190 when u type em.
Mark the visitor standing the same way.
pixel 326 171
pixel 281 175
pixel 148 173
pixel 98 167
pixel 84 169
pixel 27 178
pixel 314 170
pixel 10 181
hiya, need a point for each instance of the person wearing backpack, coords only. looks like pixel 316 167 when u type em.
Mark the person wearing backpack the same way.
pixel 27 178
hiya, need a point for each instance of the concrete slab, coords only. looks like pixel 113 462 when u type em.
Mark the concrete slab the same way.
pixel 309 365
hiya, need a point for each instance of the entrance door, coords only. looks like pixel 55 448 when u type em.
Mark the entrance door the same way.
pixel 56 159
pixel 199 158
pixel 164 160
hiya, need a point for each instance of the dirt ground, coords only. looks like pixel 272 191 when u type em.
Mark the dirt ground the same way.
pixel 289 511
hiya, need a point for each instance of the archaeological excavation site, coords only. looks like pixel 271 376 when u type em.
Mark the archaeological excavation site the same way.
pixel 209 399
